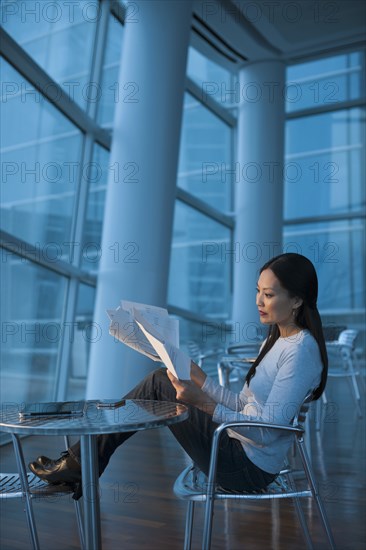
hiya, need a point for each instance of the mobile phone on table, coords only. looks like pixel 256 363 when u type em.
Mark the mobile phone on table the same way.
pixel 110 403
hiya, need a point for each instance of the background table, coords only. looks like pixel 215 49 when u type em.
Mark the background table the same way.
pixel 134 415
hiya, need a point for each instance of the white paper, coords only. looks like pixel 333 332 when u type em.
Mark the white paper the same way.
pixel 123 327
pixel 158 317
pixel 150 331
pixel 173 358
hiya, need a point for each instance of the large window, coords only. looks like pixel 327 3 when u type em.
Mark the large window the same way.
pixel 199 279
pixel 32 304
pixel 59 36
pixel 56 106
pixel 325 180
pixel 41 151
pixel 325 159
pixel 204 154
pixel 200 267
pixel 54 177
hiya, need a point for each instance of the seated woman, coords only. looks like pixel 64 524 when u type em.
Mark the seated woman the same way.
pixel 291 364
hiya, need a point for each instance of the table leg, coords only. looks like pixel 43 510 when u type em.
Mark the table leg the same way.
pixel 90 484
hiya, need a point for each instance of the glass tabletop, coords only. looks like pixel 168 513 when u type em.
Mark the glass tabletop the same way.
pixel 133 415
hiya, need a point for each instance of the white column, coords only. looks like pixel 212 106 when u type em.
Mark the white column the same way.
pixel 139 208
pixel 259 193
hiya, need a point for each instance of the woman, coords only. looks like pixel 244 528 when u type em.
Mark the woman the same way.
pixel 291 364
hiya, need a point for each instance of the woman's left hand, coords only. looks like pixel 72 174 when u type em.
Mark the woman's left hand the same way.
pixel 188 392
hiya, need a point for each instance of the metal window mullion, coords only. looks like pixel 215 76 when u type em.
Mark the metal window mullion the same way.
pixel 98 53
pixel 210 103
pixel 79 214
pixel 234 157
pixel 204 208
pixel 82 202
pixel 64 356
pixel 326 218
pixel 67 339
pixel 23 249
pixel 297 58
pixel 329 108
pixel 87 154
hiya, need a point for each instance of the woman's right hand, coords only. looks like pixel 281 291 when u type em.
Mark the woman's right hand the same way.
pixel 197 375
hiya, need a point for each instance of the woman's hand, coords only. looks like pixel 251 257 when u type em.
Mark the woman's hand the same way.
pixel 187 391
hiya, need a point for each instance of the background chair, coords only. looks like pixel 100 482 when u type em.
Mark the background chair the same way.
pixel 200 355
pixel 234 365
pixel 194 487
pixel 28 486
pixel 343 363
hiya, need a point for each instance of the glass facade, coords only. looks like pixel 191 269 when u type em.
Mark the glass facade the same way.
pixel 200 266
pixel 206 150
pixel 54 177
pixel 41 165
pixel 32 305
pixel 109 85
pixel 325 82
pixel 325 159
pixel 52 33
pixel 214 81
pixel 199 280
pixel 98 176
pixel 324 181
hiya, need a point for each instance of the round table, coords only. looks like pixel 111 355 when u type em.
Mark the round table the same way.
pixel 133 415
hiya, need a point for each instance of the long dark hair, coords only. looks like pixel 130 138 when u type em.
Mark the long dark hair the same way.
pixel 298 276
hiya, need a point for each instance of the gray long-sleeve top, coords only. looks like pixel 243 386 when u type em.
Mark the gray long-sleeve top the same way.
pixel 287 373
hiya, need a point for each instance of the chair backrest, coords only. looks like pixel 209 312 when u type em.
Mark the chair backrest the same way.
pixel 348 337
pixel 244 348
pixel 193 349
pixel 300 418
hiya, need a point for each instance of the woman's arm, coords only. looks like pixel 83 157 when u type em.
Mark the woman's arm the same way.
pixel 197 374
pixel 215 391
pixel 188 392
pixel 298 372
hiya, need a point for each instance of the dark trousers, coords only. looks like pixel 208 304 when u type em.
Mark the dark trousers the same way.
pixel 235 470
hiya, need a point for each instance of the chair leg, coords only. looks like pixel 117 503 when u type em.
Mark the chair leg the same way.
pixel 298 509
pixel 356 391
pixel 19 457
pixel 315 493
pixel 189 525
pixel 304 525
pixel 78 508
pixel 207 527
pixel 318 415
pixel 79 520
pixel 307 435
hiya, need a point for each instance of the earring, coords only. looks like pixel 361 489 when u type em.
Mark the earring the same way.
pixel 294 312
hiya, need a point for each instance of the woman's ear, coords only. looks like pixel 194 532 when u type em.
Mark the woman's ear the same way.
pixel 298 302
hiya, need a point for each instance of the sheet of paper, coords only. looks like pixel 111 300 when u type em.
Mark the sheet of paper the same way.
pixel 150 331
pixel 173 358
pixel 124 329
pixel 158 317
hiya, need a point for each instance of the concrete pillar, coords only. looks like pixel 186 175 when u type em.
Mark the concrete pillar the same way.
pixel 139 207
pixel 259 191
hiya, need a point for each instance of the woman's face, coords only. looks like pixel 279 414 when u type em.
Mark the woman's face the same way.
pixel 275 305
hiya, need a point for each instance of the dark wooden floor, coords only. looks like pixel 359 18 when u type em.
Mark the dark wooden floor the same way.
pixel 140 510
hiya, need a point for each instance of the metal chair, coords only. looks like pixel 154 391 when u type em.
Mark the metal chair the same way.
pixel 343 362
pixel 30 487
pixel 201 355
pixel 191 487
pixel 234 365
